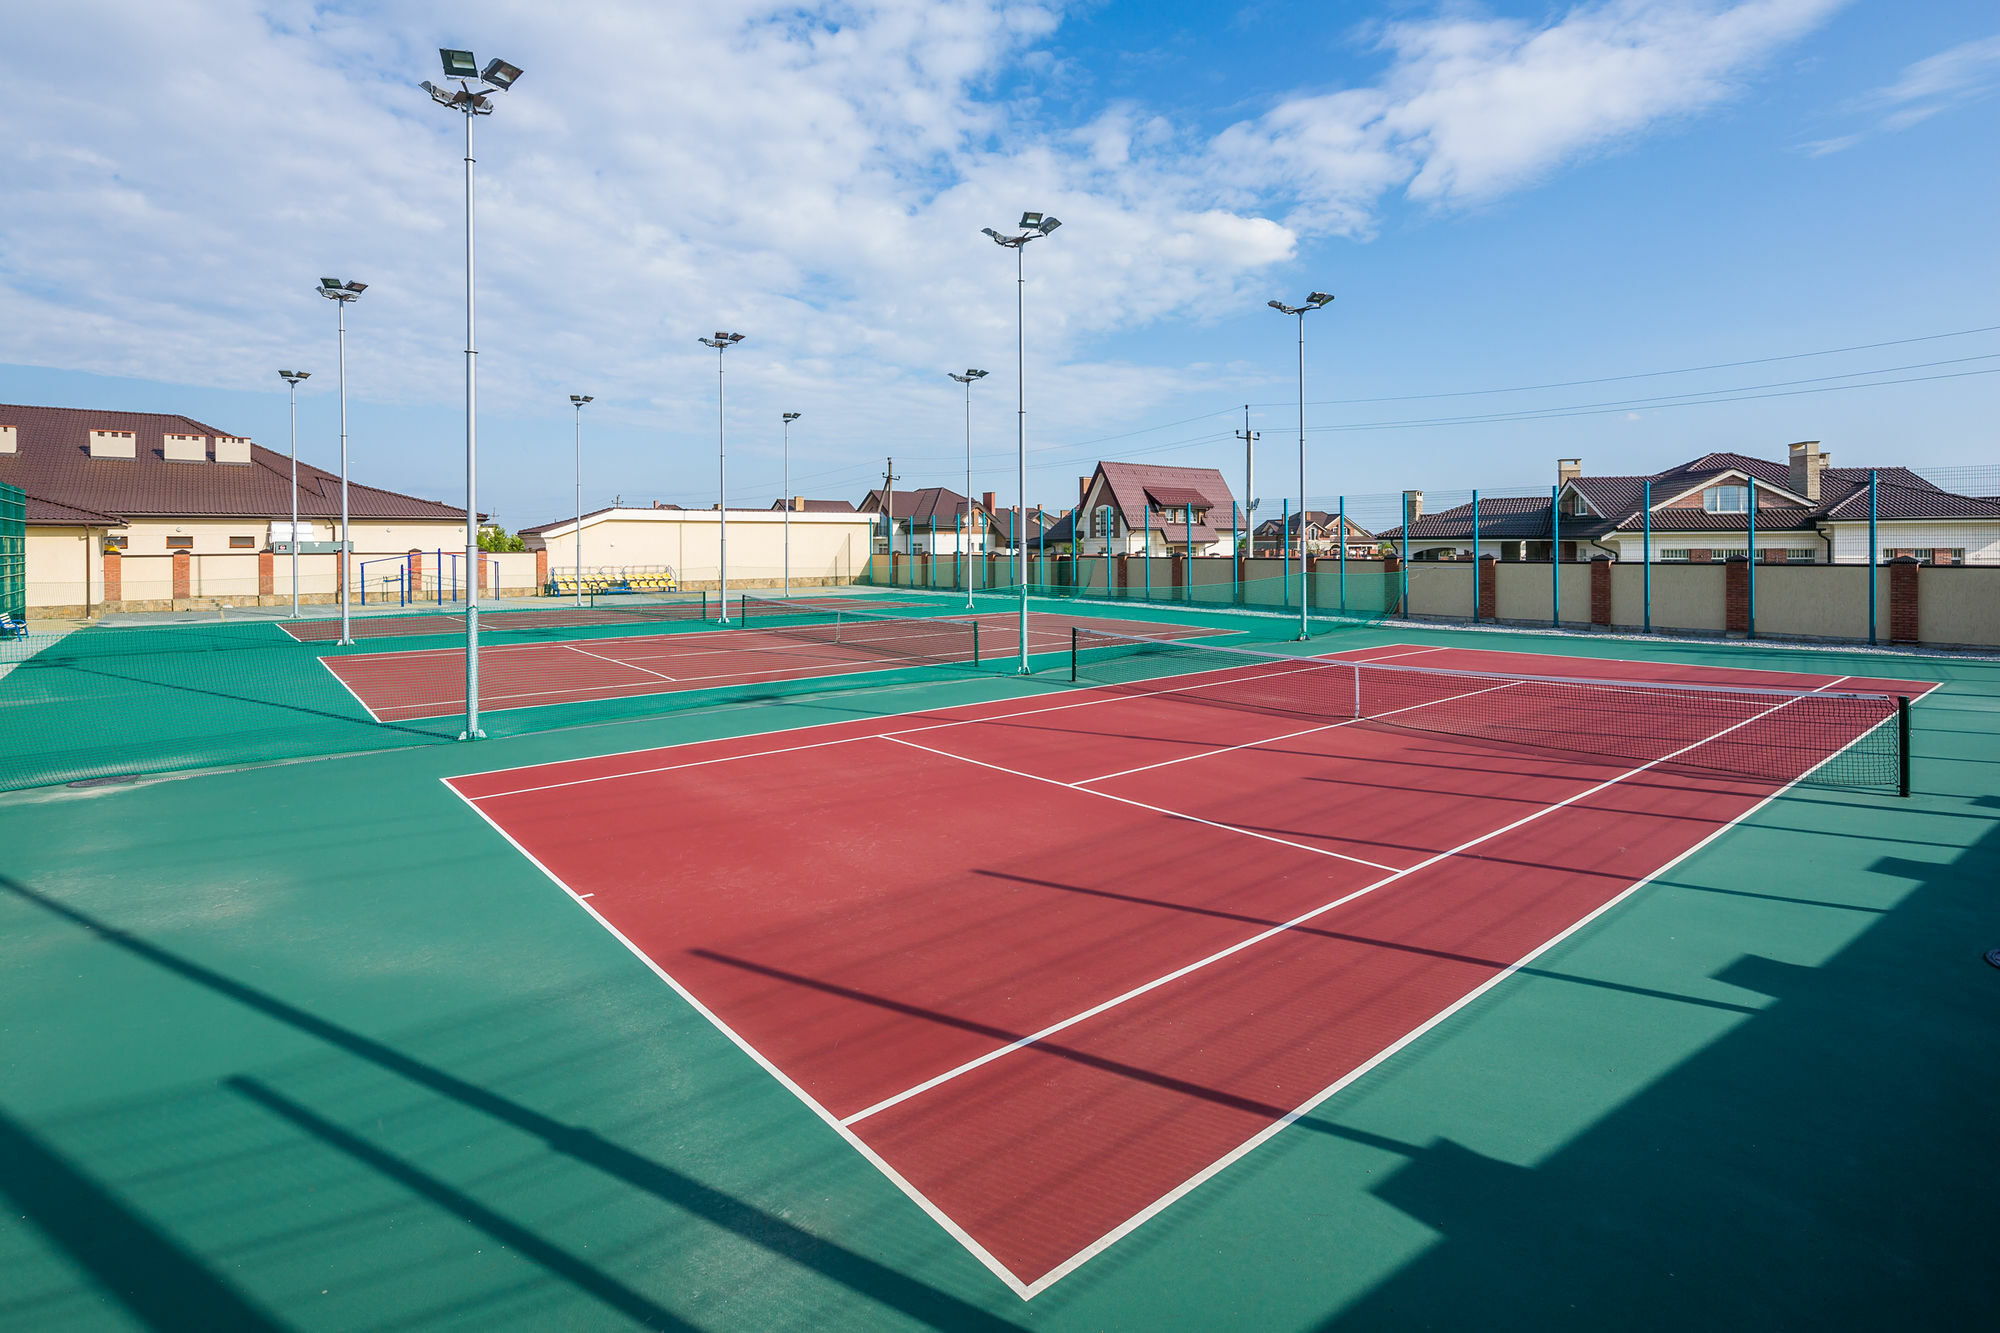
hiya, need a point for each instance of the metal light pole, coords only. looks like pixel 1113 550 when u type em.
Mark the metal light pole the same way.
pixel 1313 302
pixel 722 342
pixel 578 400
pixel 789 418
pixel 497 77
pixel 1033 226
pixel 965 541
pixel 292 378
pixel 343 294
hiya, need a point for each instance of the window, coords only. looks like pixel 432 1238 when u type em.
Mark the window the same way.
pixel 1674 553
pixel 242 543
pixel 180 543
pixel 115 543
pixel 1930 555
pixel 1726 499
pixel 1800 555
pixel 1098 522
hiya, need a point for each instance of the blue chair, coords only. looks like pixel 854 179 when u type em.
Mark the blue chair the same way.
pixel 10 628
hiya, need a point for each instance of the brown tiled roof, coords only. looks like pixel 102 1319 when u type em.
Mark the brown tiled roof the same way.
pixel 48 513
pixel 53 465
pixel 1130 483
pixel 922 504
pixel 820 506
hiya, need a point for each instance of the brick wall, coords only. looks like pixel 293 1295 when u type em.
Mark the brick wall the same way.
pixel 267 577
pixel 1736 596
pixel 1489 588
pixel 1600 590
pixel 1903 603
pixel 183 575
pixel 114 577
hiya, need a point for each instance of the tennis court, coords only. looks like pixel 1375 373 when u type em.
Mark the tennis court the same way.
pixel 795 640
pixel 1155 921
pixel 1407 977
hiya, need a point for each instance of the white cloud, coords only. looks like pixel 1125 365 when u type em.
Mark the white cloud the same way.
pixel 1963 73
pixel 181 172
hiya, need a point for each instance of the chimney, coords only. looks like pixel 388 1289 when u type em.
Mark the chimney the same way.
pixel 1082 489
pixel 1413 506
pixel 1807 465
pixel 185 448
pixel 10 439
pixel 232 449
pixel 1568 470
pixel 113 444
pixel 989 501
pixel 798 504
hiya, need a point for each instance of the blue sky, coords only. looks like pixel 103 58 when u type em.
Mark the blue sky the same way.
pixel 1499 196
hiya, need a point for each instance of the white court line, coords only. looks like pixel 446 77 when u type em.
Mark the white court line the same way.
pixel 1294 735
pixel 752 754
pixel 1229 1159
pixel 1279 929
pixel 1156 809
pixel 873 1158
pixel 373 716
pixel 634 666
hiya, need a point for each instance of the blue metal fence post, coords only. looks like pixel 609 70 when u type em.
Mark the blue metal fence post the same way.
pixel 1646 577
pixel 1342 530
pixel 1285 549
pixel 1874 555
pixel 1475 557
pixel 1555 558
pixel 1750 623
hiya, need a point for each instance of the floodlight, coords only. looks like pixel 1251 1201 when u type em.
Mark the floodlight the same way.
pixel 357 287
pixel 501 74
pixel 294 376
pixel 581 398
pixel 1031 219
pixel 791 416
pixel 333 283
pixel 1279 305
pixel 975 374
pixel 1318 299
pixel 459 64
pixel 1048 225
pixel 988 231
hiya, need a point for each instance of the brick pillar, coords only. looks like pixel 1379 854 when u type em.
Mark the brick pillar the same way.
pixel 416 562
pixel 1736 595
pixel 1312 583
pixel 114 576
pixel 1903 578
pixel 267 578
pixel 895 569
pixel 542 568
pixel 1392 585
pixel 1124 578
pixel 183 571
pixel 1600 590
pixel 485 578
pixel 1178 563
pixel 1489 588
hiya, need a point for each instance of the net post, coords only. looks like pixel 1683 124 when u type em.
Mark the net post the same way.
pixel 1072 654
pixel 1902 745
pixel 975 643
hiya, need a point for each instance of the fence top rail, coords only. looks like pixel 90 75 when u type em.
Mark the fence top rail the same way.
pixel 1687 688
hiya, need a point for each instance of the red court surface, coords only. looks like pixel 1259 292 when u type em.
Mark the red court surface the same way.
pixel 430 682
pixel 1050 963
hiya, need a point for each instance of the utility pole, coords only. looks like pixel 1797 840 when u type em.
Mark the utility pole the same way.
pixel 889 480
pixel 1249 438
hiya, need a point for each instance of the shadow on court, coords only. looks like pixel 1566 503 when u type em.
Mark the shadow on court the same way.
pixel 161 1283
pixel 1826 1164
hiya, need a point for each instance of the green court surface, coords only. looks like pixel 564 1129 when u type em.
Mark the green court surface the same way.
pixel 306 1045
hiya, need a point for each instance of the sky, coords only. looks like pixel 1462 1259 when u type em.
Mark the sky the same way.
pixel 1631 232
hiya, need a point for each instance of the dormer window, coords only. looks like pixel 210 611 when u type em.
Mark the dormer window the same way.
pixel 1726 499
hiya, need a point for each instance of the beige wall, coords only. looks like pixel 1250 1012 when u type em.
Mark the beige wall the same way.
pixel 1688 597
pixel 1956 605
pixel 1441 588
pixel 61 562
pixel 823 546
pixel 1818 601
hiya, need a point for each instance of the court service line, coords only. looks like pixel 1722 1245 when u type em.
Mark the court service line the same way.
pixel 581 693
pixel 1294 735
pixel 1126 800
pixel 615 662
pixel 1279 929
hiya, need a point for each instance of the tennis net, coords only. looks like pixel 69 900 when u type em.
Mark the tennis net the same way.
pixel 916 640
pixel 1819 737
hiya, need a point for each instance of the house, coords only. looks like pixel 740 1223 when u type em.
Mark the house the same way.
pixel 930 519
pixel 801 505
pixel 1138 508
pixel 143 510
pixel 1807 512
pixel 1276 536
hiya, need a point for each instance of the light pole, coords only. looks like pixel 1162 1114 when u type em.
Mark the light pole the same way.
pixel 1313 302
pixel 722 342
pixel 578 400
pixel 343 294
pixel 292 378
pixel 497 77
pixel 965 541
pixel 1033 226
pixel 789 418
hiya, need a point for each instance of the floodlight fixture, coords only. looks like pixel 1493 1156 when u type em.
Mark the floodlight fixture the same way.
pixel 581 398
pixel 791 416
pixel 1047 225
pixel 459 64
pixel 1317 299
pixel 988 231
pixel 333 289
pixel 721 340
pixel 1031 220
pixel 294 376
pixel 500 74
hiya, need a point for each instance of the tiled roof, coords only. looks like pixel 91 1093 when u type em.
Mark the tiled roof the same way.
pixel 1129 484
pixel 1318 518
pixel 922 505
pixel 47 513
pixel 53 464
pixel 1501 518
pixel 820 506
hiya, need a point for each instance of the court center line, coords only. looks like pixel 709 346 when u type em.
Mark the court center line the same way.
pixel 1142 805
pixel 1294 735
pixel 1146 987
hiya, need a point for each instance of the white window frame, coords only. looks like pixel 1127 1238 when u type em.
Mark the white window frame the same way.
pixel 1711 498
